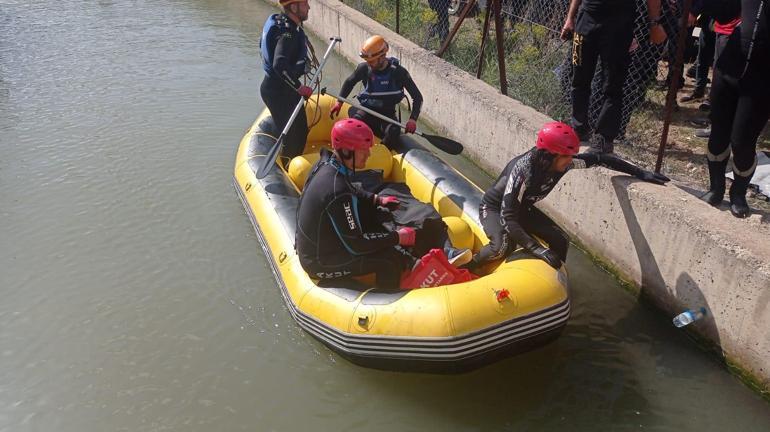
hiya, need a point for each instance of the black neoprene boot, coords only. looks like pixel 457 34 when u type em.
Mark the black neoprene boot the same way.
pixel 738 205
pixel 717 183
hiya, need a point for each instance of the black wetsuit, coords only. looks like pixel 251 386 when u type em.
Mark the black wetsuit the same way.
pixel 507 211
pixel 284 55
pixel 603 31
pixel 383 90
pixel 740 96
pixel 337 232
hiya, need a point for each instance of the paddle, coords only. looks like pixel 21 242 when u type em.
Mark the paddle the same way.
pixel 272 154
pixel 450 146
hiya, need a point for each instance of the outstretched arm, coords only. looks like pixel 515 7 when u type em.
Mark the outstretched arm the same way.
pixel 615 163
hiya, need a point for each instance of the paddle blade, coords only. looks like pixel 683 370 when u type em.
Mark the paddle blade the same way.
pixel 442 143
pixel 269 159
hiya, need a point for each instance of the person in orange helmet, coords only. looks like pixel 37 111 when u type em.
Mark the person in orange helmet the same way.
pixel 384 81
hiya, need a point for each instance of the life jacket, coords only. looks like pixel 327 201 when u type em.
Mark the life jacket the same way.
pixel 381 91
pixel 275 26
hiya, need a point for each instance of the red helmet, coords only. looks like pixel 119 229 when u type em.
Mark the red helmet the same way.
pixel 558 138
pixel 351 134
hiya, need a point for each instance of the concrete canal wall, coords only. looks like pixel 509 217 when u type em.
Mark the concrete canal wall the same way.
pixel 676 250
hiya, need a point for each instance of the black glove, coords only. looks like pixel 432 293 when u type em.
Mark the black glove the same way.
pixel 652 177
pixel 548 256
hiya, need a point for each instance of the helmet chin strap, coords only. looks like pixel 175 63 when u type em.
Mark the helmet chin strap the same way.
pixel 347 155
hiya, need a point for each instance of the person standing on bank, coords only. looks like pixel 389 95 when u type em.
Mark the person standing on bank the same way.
pixel 338 234
pixel 285 60
pixel 603 29
pixel 507 210
pixel 740 100
pixel 384 81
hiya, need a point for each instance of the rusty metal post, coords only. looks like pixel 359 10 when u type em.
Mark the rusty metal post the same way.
pixel 673 87
pixel 456 27
pixel 500 49
pixel 398 16
pixel 483 43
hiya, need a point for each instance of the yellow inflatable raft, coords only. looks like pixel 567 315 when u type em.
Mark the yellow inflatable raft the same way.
pixel 514 307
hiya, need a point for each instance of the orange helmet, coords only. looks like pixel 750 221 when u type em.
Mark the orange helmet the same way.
pixel 373 48
pixel 285 3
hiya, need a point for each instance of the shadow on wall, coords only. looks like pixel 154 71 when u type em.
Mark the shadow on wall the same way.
pixel 651 276
pixel 686 293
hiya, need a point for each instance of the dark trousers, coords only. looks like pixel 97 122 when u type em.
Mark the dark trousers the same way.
pixel 281 100
pixel 706 49
pixel 441 7
pixel 604 39
pixel 740 106
pixel 386 131
pixel 534 223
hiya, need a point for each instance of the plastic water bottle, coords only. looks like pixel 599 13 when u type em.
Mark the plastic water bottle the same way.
pixel 689 316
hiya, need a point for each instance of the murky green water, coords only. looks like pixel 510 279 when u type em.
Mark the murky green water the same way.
pixel 135 296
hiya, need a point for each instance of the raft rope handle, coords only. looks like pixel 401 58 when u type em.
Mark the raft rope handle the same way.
pixel 314 85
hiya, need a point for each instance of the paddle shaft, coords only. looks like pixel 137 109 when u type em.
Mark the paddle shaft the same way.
pixel 444 144
pixel 301 103
pixel 369 111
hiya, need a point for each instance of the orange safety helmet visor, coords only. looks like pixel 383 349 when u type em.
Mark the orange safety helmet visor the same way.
pixel 373 48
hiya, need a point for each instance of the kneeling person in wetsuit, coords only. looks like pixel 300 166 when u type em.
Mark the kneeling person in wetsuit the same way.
pixel 507 211
pixel 384 81
pixel 337 234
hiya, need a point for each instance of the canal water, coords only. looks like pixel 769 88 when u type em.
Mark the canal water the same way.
pixel 135 297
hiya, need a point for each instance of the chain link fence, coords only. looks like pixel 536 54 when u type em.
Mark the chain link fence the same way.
pixel 537 62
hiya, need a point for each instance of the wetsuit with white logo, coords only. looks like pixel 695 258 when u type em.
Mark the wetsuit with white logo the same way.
pixel 507 210
pixel 383 90
pixel 337 232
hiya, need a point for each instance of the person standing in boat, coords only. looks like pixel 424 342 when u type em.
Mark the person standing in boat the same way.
pixel 337 232
pixel 285 60
pixel 384 81
pixel 507 210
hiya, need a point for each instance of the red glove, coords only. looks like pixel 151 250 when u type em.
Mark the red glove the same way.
pixel 389 202
pixel 411 126
pixel 335 111
pixel 304 91
pixel 406 236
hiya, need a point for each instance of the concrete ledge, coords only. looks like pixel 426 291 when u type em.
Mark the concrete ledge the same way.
pixel 676 249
